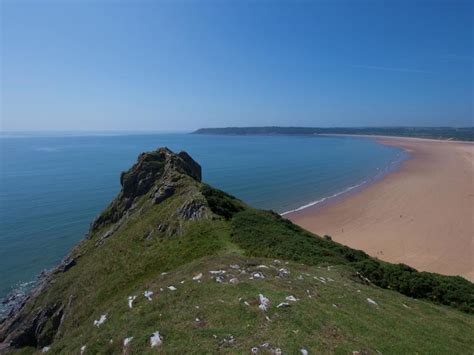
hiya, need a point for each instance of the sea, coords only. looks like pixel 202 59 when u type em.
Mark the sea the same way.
pixel 52 185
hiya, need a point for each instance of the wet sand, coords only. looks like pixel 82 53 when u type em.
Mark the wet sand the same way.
pixel 421 215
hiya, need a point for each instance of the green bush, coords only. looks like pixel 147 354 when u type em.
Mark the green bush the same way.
pixel 267 234
pixel 448 290
pixel 221 203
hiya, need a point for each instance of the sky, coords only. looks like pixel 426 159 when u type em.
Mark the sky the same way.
pixel 83 65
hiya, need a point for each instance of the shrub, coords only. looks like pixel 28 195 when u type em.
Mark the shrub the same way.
pixel 221 203
pixel 448 290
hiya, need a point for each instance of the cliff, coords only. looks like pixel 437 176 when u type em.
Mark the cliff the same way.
pixel 175 265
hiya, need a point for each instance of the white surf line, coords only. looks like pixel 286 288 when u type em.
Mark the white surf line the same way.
pixel 389 167
pixel 324 198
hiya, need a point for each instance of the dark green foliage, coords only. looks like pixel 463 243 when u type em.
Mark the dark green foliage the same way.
pixel 267 234
pixel 448 290
pixel 221 203
pixel 463 133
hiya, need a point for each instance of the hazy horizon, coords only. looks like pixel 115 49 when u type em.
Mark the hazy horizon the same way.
pixel 106 66
pixel 151 131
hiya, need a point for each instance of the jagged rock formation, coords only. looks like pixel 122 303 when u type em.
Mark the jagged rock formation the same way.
pixel 161 166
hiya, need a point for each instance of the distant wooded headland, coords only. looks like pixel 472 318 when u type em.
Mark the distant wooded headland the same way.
pixel 445 133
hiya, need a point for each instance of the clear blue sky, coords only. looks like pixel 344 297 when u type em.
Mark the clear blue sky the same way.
pixel 180 65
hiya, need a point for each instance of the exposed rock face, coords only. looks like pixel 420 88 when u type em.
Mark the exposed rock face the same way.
pixel 163 193
pixel 151 166
pixel 192 210
pixel 161 164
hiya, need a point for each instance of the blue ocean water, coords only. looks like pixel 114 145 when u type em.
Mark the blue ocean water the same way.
pixel 52 187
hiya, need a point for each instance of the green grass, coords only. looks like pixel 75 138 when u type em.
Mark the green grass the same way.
pixel 310 323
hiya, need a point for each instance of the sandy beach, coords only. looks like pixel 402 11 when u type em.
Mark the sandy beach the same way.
pixel 421 215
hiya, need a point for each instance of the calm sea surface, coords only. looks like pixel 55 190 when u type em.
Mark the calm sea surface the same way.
pixel 51 187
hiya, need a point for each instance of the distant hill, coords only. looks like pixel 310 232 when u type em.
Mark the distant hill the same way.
pixel 451 133
pixel 177 266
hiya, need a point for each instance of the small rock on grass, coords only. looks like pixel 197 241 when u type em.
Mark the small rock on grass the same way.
pixel 266 348
pixel 257 275
pixel 148 294
pixel 371 301
pixel 101 320
pixel 283 272
pixel 127 341
pixel 264 302
pixel 156 339
pixel 219 279
pixel 230 339
pixel 130 301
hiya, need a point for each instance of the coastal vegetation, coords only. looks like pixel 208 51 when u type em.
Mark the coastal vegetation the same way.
pixel 445 133
pixel 266 234
pixel 176 264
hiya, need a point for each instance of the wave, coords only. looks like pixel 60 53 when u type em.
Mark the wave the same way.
pixel 390 167
pixel 313 203
pixel 15 297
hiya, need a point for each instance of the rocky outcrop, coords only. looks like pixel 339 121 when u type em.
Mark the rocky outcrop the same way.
pixel 192 210
pixel 39 328
pixel 163 193
pixel 162 166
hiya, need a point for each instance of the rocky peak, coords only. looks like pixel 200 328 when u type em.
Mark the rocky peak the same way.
pixel 160 165
pixel 151 166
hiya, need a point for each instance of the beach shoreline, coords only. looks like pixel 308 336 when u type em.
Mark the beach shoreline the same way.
pixel 323 202
pixel 420 214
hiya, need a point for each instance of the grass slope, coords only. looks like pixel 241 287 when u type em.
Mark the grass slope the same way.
pixel 330 317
